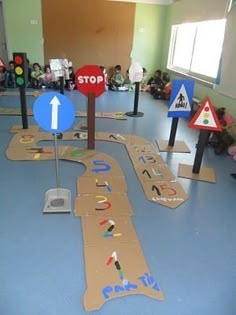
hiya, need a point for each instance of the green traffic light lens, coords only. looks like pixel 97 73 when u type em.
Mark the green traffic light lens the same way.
pixel 20 81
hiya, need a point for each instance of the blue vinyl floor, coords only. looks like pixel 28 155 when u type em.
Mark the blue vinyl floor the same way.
pixel 190 251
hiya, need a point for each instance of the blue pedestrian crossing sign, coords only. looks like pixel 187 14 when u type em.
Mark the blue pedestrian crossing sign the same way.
pixel 54 112
pixel 181 98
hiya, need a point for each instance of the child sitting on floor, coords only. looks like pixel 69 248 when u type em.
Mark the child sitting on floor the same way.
pixel 154 82
pixel 10 79
pixel 143 83
pixel 36 76
pixel 104 71
pixel 127 82
pixel 48 78
pixel 70 84
pixel 2 76
pixel 163 92
pixel 116 81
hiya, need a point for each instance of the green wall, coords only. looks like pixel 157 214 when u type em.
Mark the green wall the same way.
pixel 149 29
pixel 22 36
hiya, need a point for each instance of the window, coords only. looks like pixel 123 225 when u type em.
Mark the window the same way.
pixel 195 48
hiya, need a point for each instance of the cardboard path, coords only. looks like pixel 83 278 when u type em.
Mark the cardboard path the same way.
pixel 105 211
pixel 159 184
pixel 110 240
pixel 16 93
pixel 10 111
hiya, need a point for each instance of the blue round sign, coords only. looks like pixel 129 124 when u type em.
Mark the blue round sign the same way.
pixel 54 112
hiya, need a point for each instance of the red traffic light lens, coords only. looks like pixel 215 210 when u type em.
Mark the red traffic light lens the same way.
pixel 18 60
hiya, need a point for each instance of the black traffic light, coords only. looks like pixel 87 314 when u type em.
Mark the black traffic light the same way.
pixel 21 69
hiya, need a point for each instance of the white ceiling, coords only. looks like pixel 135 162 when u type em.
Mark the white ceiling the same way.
pixel 165 2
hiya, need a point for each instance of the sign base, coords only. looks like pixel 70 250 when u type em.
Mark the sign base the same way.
pixel 179 146
pixel 57 200
pixel 206 174
pixel 19 128
pixel 132 114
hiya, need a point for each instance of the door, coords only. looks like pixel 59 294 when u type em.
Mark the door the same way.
pixel 3 44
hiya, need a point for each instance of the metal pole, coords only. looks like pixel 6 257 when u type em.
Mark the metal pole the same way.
pixel 61 80
pixel 174 126
pixel 203 137
pixel 135 112
pixel 23 108
pixel 56 160
pixel 91 121
pixel 136 97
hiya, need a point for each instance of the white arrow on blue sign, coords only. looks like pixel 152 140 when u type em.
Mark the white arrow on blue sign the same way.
pixel 54 112
pixel 181 98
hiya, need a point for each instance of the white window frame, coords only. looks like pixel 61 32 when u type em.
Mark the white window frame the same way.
pixel 185 72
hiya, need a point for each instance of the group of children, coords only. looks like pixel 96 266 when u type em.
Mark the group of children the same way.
pixel 118 83
pixel 159 85
pixel 38 78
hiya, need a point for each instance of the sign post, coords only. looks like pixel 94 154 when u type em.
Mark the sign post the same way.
pixel 55 113
pixel 179 107
pixel 135 75
pixel 21 74
pixel 206 120
pixel 173 130
pixel 202 140
pixel 180 104
pixel 90 81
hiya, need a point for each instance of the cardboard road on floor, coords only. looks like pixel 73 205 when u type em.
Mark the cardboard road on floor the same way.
pixel 10 111
pixel 104 207
pixel 16 93
pixel 147 163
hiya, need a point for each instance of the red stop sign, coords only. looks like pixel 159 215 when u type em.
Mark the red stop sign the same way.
pixel 90 79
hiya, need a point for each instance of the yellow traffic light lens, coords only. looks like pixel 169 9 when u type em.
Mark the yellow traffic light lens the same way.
pixel 18 70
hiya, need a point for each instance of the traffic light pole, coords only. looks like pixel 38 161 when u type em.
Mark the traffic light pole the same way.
pixel 23 108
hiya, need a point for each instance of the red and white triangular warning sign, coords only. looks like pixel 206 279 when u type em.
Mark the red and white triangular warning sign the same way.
pixel 205 117
pixel 2 64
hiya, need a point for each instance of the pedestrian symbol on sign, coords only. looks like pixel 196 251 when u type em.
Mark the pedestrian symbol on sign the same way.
pixel 181 98
pixel 181 101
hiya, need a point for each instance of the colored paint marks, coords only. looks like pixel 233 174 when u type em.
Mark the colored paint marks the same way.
pixel 106 184
pixel 114 258
pixel 145 281
pixel 104 201
pixel 107 233
pixel 26 139
pixel 38 150
pixel 103 167
pixel 77 153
